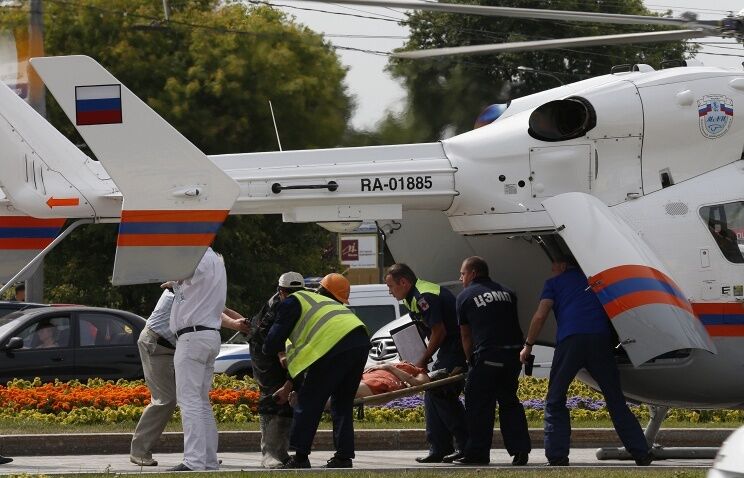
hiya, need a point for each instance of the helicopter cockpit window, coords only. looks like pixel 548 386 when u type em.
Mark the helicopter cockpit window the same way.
pixel 561 120
pixel 726 225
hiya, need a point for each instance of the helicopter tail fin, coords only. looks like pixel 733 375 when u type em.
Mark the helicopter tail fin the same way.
pixel 174 198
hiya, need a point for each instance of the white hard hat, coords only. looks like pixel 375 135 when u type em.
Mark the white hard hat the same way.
pixel 291 280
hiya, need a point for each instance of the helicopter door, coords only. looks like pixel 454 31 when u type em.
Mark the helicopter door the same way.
pixel 648 310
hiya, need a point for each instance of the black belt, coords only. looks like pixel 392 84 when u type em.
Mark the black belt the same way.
pixel 160 340
pixel 165 343
pixel 193 328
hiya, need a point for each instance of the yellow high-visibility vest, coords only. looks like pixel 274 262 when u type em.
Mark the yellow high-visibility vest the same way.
pixel 424 287
pixel 322 324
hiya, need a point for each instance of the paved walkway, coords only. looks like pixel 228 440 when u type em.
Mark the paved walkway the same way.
pixel 370 460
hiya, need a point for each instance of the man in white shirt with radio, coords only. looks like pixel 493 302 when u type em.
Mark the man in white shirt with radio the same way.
pixel 195 319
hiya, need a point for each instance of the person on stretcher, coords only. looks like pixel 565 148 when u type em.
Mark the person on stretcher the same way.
pixel 391 377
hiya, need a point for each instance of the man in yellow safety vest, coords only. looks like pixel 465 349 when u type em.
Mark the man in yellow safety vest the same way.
pixel 326 354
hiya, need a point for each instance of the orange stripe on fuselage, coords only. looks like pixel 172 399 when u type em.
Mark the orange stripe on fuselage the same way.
pixel 616 274
pixel 637 299
pixel 174 216
pixel 718 308
pixel 178 240
pixel 24 243
pixel 27 221
pixel 725 330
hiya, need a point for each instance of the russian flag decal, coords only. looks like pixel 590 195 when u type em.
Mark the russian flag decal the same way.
pixel 100 104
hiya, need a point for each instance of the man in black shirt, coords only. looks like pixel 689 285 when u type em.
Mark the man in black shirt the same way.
pixel 433 308
pixel 492 340
pixel 270 374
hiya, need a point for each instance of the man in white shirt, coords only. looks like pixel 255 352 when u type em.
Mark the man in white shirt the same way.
pixel 195 319
pixel 157 346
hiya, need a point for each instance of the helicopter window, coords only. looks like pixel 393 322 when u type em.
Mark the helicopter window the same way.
pixel 726 225
pixel 562 120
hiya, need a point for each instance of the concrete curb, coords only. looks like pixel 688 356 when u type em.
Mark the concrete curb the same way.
pixel 249 441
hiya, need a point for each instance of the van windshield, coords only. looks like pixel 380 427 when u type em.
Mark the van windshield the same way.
pixel 374 316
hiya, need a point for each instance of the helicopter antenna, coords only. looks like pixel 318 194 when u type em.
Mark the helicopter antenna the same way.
pixel 279 141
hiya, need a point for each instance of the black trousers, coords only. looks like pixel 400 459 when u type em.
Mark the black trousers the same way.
pixel 494 378
pixel 445 418
pixel 335 376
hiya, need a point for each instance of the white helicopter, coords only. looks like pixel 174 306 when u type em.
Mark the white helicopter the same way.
pixel 638 174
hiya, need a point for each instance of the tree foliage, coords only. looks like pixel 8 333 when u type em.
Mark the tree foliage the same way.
pixel 210 71
pixel 447 94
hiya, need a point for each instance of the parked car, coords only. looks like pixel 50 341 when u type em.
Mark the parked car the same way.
pixel 8 306
pixel 372 303
pixel 70 342
pixel 729 462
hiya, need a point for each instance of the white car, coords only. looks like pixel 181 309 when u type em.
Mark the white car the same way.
pixel 372 303
pixel 730 459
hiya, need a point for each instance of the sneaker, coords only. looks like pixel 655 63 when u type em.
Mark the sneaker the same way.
pixel 453 456
pixel 143 460
pixel 468 461
pixel 336 462
pixel 563 461
pixel 430 459
pixel 5 459
pixel 646 460
pixel 520 458
pixel 294 463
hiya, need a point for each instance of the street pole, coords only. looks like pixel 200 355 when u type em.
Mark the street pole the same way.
pixel 37 99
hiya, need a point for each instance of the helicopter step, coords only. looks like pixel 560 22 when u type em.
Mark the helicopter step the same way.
pixel 658 414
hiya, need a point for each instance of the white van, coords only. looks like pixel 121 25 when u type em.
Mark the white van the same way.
pixel 372 303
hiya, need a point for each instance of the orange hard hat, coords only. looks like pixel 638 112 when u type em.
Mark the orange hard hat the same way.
pixel 337 285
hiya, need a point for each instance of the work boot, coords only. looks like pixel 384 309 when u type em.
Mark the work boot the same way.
pixel 295 463
pixel 520 458
pixel 646 460
pixel 336 462
pixel 563 461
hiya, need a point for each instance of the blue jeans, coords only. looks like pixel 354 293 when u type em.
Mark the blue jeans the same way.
pixel 594 353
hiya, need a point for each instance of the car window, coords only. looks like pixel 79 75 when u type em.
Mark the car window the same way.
pixel 99 329
pixel 48 332
pixel 374 316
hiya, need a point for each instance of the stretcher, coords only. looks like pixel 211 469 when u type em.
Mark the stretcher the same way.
pixel 383 398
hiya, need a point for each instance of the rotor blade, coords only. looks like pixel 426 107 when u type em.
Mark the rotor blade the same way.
pixel 530 13
pixel 601 40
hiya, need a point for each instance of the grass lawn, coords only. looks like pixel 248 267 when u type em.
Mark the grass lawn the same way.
pixel 572 472
pixel 17 427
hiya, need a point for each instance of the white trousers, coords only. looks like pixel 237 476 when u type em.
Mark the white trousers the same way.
pixel 194 364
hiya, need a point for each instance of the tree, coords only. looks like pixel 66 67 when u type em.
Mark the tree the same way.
pixel 448 93
pixel 210 72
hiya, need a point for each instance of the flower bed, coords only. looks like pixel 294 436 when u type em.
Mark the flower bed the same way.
pixel 235 401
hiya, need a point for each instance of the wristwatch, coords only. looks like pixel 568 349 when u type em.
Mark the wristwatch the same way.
pixel 527 344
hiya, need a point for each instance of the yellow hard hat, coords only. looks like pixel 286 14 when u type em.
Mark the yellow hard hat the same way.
pixel 337 285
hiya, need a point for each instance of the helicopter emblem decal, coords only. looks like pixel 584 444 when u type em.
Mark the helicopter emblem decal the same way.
pixel 716 113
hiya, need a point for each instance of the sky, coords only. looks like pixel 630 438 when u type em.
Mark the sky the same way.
pixel 376 92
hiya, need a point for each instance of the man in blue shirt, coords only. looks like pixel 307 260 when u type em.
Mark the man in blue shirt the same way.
pixel 491 338
pixel 583 341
